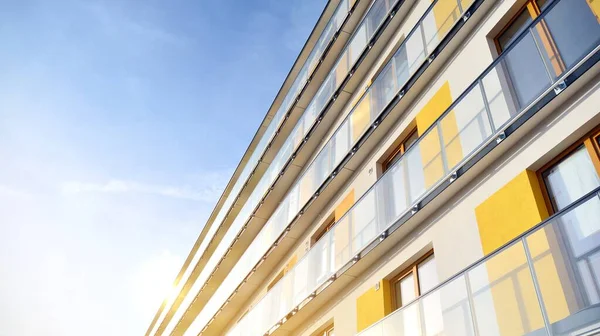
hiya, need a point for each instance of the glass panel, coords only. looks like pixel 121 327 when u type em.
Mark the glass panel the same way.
pixel 526 70
pixel 563 28
pixel 405 290
pixel 412 54
pixel 376 15
pixel 412 138
pixel 519 24
pixel 446 311
pixel 572 178
pixel 394 192
pixel 401 66
pixel 414 169
pixel 428 277
pixel 431 155
pixel 465 127
pixel 404 322
pixel 364 222
pixel 500 101
pixel 439 21
pixel 358 43
pixel 569 278
pixel 504 299
pixel 384 88
pixel 361 117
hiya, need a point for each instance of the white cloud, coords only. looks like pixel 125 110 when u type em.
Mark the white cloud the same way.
pixel 10 192
pixel 208 193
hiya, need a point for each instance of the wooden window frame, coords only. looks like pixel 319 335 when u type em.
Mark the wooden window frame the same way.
pixel 593 149
pixel 532 7
pixel 399 150
pixel 411 269
pixel 276 279
pixel 329 223
pixel 328 330
pixel 511 21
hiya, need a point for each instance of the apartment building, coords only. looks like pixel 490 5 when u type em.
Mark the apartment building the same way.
pixel 427 168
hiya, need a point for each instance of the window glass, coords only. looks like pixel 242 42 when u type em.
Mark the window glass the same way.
pixel 412 138
pixel 415 281
pixel 567 181
pixel 512 32
pixel 428 277
pixel 570 179
pixel 405 290
pixel 401 149
pixel 562 28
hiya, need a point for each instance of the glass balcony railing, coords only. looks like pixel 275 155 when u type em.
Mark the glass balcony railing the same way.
pixel 477 117
pixel 313 59
pixel 433 26
pixel 356 46
pixel 546 282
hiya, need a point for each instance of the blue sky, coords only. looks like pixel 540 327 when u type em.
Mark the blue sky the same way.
pixel 120 123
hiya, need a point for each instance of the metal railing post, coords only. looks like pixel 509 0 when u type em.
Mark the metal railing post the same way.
pixel 471 305
pixel 536 286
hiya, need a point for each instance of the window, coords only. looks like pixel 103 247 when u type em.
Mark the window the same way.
pixel 328 332
pixel 275 280
pixel 401 149
pixel 291 263
pixel 573 173
pixel 565 179
pixel 568 177
pixel 414 281
pixel 330 222
pixel 544 53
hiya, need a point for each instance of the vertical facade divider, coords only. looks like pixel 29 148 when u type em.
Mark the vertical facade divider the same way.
pixel 471 305
pixel 536 286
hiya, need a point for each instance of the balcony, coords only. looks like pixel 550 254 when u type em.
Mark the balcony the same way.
pixel 368 38
pixel 545 282
pixel 489 111
pixel 438 20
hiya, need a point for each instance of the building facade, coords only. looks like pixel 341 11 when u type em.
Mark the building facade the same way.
pixel 427 168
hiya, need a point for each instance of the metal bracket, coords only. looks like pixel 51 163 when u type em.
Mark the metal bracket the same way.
pixel 560 87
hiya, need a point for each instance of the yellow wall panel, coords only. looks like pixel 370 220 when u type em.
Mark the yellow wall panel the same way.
pixel 551 288
pixel 342 69
pixel 595 7
pixel 373 305
pixel 452 144
pixel 440 101
pixel 344 205
pixel 361 117
pixel 430 146
pixel 342 231
pixel 515 303
pixel 431 158
pixel 514 208
pixel 445 12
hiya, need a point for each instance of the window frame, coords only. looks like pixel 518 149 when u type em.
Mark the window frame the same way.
pixel 533 9
pixel 327 331
pixel 591 143
pixel 412 269
pixel 327 225
pixel 400 149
